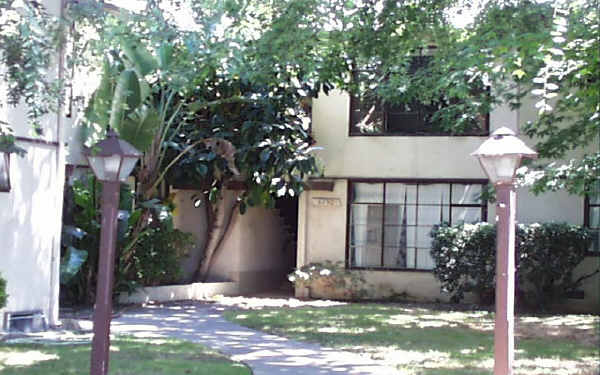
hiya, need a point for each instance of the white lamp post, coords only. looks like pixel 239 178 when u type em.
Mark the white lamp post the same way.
pixel 500 156
pixel 111 160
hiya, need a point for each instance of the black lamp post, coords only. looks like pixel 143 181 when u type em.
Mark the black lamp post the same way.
pixel 111 160
pixel 500 156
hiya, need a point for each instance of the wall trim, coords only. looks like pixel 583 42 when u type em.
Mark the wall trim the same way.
pixel 37 141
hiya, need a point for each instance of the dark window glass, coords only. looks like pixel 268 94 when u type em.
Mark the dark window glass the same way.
pixel 592 219
pixel 4 172
pixel 370 116
pixel 390 222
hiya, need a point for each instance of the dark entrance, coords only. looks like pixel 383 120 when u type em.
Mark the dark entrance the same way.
pixel 288 211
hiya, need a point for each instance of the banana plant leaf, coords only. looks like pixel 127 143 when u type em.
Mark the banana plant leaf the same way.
pixel 140 127
pixel 71 263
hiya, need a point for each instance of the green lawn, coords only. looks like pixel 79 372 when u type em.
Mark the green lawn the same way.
pixel 424 341
pixel 127 357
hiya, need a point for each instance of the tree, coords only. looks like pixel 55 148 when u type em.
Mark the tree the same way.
pixel 194 121
pixel 520 48
pixel 242 71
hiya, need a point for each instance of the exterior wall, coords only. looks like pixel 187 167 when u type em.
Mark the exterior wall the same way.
pixel 323 227
pixel 189 218
pixel 31 213
pixel 30 229
pixel 263 263
pixel 252 251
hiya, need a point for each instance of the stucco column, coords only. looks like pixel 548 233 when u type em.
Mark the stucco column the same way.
pixel 301 246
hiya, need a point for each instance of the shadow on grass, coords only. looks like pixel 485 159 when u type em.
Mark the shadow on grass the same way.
pixel 418 340
pixel 127 357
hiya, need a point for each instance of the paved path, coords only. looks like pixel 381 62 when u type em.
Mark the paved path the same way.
pixel 266 354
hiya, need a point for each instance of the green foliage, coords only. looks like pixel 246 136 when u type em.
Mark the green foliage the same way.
pixel 204 120
pixel 465 260
pixel 547 254
pixel 28 43
pixel 3 295
pixel 545 49
pixel 158 256
pixel 151 257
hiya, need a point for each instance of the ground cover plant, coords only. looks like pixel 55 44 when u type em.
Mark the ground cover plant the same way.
pixel 127 357
pixel 431 339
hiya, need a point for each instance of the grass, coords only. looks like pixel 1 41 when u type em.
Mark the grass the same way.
pixel 423 341
pixel 127 357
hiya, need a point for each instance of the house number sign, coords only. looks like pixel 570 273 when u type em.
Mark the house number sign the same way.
pixel 326 202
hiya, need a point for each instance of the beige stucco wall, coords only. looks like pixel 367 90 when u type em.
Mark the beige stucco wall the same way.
pixel 322 228
pixel 30 218
pixel 252 250
pixel 31 213
pixel 190 217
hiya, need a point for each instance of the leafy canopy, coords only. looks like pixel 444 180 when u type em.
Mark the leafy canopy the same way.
pixel 548 50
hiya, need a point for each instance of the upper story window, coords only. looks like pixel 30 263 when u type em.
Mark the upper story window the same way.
pixel 592 216
pixel 389 223
pixel 371 115
pixel 4 172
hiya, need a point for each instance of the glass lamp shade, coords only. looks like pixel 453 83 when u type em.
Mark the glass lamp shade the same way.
pixel 112 159
pixel 501 154
pixel 500 169
pixel 106 168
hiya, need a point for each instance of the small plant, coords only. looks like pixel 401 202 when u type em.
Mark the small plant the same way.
pixel 329 279
pixel 3 295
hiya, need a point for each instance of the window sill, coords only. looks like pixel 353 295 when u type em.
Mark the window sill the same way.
pixel 418 135
pixel 387 269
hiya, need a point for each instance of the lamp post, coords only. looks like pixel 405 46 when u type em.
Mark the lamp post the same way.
pixel 500 156
pixel 111 160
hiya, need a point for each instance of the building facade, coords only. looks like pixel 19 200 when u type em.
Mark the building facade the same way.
pixel 390 188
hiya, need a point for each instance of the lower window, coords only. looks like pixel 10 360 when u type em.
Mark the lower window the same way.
pixel 592 216
pixel 390 222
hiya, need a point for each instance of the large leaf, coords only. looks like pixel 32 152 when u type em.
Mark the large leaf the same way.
pixel 142 60
pixel 71 263
pixel 98 111
pixel 165 55
pixel 126 97
pixel 140 128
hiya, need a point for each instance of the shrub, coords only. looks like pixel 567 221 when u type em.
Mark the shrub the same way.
pixel 465 260
pixel 152 258
pixel 157 259
pixel 3 295
pixel 339 282
pixel 546 255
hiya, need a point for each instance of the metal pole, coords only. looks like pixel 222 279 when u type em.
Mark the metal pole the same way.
pixel 106 262
pixel 505 280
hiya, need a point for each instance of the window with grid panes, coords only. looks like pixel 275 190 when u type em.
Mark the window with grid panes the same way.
pixel 592 216
pixel 390 222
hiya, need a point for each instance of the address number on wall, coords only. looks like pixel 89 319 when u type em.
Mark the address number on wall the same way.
pixel 326 202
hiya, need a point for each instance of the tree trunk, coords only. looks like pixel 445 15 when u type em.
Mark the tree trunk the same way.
pixel 218 225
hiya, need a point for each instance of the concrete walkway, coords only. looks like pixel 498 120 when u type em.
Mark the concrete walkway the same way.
pixel 265 354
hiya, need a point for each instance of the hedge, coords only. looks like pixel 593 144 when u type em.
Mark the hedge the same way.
pixel 546 255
